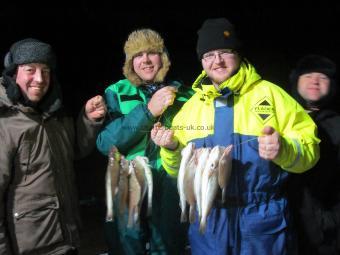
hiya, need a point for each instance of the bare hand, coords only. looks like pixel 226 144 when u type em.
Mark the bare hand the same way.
pixel 95 108
pixel 160 101
pixel 269 143
pixel 163 137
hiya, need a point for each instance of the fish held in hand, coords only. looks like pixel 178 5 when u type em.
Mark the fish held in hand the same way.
pixel 142 164
pixel 210 184
pixel 186 153
pixel 189 177
pixel 202 160
pixel 224 170
pixel 111 181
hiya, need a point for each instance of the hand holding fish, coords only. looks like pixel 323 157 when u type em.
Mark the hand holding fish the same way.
pixel 269 143
pixel 95 108
pixel 161 100
pixel 163 137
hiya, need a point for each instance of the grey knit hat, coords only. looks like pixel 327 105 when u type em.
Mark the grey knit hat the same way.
pixel 30 51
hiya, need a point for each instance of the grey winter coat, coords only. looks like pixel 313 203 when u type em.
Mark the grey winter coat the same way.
pixel 38 204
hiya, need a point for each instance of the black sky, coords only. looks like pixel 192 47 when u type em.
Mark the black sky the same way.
pixel 88 36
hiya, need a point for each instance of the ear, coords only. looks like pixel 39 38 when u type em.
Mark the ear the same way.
pixel 8 60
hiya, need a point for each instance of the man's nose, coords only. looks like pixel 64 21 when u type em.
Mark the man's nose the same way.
pixel 38 75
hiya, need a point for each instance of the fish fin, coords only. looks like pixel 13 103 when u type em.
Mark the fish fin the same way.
pixel 223 195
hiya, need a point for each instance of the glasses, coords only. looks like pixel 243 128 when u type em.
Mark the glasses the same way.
pixel 211 56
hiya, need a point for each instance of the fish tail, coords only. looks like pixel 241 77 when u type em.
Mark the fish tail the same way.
pixel 223 195
pixel 192 214
pixel 183 216
pixel 203 225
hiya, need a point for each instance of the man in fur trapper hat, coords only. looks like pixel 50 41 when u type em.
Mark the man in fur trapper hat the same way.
pixel 145 40
pixel 136 104
pixel 315 195
pixel 39 142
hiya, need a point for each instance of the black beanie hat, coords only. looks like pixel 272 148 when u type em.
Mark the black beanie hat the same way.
pixel 215 34
pixel 309 64
pixel 315 63
pixel 30 51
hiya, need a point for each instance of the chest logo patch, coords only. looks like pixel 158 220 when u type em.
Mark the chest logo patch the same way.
pixel 263 110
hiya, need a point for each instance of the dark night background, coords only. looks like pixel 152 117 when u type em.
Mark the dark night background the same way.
pixel 88 38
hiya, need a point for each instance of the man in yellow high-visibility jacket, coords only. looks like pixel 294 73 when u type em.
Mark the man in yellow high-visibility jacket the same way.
pixel 272 136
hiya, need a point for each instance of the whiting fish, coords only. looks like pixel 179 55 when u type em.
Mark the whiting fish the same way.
pixel 209 184
pixel 143 163
pixel 202 160
pixel 111 181
pixel 186 153
pixel 224 170
pixel 135 191
pixel 123 186
pixel 188 186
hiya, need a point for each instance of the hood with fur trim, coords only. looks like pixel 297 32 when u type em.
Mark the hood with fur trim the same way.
pixel 144 40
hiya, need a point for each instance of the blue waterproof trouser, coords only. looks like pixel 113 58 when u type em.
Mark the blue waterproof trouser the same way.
pixel 255 229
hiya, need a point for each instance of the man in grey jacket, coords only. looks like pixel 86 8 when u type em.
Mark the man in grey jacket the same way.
pixel 38 207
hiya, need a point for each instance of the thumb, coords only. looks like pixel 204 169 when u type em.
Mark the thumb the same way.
pixel 268 130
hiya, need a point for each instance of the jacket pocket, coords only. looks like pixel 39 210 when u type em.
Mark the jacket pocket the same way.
pixel 24 157
pixel 257 225
pixel 36 225
pixel 265 233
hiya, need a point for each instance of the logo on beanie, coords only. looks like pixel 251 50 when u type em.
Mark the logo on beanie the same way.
pixel 263 110
pixel 226 34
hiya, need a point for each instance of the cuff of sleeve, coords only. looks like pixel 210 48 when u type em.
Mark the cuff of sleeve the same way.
pixel 148 113
pixel 171 160
pixel 289 154
pixel 87 121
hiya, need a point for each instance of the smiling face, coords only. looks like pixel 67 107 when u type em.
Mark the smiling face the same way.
pixel 220 65
pixel 146 65
pixel 33 80
pixel 313 86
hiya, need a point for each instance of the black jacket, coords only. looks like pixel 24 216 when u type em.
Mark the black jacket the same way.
pixel 315 194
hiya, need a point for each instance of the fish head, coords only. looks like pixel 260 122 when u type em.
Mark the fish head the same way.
pixel 132 165
pixel 124 163
pixel 189 149
pixel 142 159
pixel 214 157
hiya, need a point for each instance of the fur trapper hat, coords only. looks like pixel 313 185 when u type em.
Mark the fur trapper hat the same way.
pixel 144 40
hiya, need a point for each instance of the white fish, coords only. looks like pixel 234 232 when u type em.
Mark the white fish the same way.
pixel 209 184
pixel 186 153
pixel 134 197
pixel 111 181
pixel 143 162
pixel 224 170
pixel 189 177
pixel 202 160
pixel 123 186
